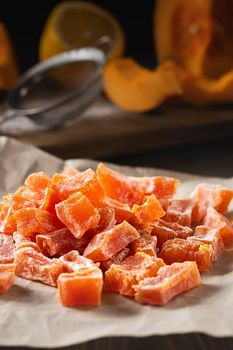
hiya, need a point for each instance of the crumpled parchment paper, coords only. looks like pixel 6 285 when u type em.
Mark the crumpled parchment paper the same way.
pixel 30 314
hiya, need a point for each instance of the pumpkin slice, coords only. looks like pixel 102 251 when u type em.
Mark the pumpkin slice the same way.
pixel 137 89
pixel 199 89
pixel 197 34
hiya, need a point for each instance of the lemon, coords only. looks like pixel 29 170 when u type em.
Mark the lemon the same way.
pixel 75 24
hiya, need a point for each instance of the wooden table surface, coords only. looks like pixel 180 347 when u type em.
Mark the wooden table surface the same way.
pixel 210 158
pixel 105 132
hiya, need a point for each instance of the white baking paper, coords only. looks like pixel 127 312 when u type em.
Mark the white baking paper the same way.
pixel 30 314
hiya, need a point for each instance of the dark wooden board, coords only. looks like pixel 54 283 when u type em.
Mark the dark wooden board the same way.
pixel 104 130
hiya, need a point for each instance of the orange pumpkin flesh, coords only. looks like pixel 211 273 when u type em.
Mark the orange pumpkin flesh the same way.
pixel 197 34
pixel 137 89
pixel 200 90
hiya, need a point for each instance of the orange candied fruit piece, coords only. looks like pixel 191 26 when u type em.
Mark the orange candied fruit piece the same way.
pixel 163 187
pixel 217 221
pixel 122 210
pixel 81 283
pixel 7 248
pixel 31 221
pixel 180 211
pixel 180 250
pixel 145 244
pixel 50 199
pixel 168 230
pixel 206 195
pixel 120 187
pixel 131 190
pixel 85 182
pixel 81 288
pixel 116 259
pixel 106 222
pixel 78 214
pixel 170 281
pixel 74 261
pixel 12 203
pixel 37 182
pixel 33 265
pixel 7 276
pixel 123 277
pixel 106 244
pixel 57 242
pixel 207 235
pixel 148 212
pixel 24 242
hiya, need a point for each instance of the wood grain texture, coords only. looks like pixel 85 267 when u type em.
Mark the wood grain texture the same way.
pixel 104 130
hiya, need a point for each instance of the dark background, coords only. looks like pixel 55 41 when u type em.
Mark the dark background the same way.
pixel 25 21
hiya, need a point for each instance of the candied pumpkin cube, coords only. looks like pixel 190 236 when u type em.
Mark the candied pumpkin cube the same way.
pixel 168 230
pixel 116 259
pixel 58 242
pixel 132 190
pixel 180 211
pixel 180 250
pixel 33 265
pixel 85 182
pixel 106 244
pixel 122 210
pixel 7 276
pixel 12 203
pixel 207 235
pixel 145 244
pixel 37 182
pixel 22 242
pixel 81 288
pixel 215 220
pixel 50 199
pixel 206 195
pixel 120 187
pixel 106 222
pixel 123 277
pixel 73 261
pixel 170 281
pixel 78 214
pixel 148 212
pixel 7 248
pixel 31 221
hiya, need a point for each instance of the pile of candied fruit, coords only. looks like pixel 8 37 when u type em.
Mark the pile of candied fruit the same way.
pixel 84 232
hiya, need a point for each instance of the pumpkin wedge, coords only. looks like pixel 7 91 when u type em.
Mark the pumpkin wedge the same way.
pixel 135 88
pixel 197 34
